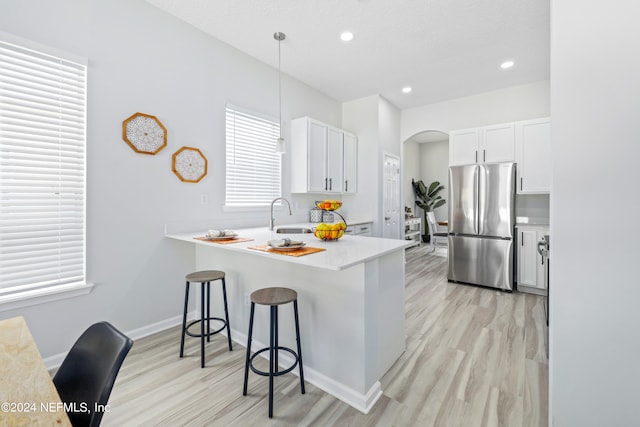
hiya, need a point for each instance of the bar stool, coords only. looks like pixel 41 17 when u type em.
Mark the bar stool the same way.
pixel 273 297
pixel 205 278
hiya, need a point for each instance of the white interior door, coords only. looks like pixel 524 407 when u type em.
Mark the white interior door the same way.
pixel 391 197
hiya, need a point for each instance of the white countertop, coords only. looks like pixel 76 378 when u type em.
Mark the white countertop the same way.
pixel 339 255
pixel 531 220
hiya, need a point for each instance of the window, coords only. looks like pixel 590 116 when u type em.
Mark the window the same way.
pixel 42 172
pixel 253 166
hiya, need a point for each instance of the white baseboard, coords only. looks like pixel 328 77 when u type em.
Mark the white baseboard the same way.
pixel 53 362
pixel 531 290
pixel 363 402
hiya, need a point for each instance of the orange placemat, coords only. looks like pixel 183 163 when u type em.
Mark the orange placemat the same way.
pixel 299 252
pixel 224 242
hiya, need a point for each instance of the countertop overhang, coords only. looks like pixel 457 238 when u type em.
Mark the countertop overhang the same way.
pixel 339 255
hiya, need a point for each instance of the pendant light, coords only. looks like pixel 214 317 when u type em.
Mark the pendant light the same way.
pixel 280 142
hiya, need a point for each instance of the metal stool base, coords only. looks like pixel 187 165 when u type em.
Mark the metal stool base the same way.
pixel 273 350
pixel 205 319
pixel 277 373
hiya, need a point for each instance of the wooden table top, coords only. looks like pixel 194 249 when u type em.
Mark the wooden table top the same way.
pixel 27 393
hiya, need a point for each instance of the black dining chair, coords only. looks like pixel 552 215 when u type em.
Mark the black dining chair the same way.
pixel 86 376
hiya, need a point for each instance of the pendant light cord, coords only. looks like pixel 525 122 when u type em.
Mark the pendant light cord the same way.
pixel 279 87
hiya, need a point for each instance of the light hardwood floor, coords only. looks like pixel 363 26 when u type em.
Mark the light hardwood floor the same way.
pixel 475 357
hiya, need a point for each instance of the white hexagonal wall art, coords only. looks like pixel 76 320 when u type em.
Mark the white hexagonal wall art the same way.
pixel 189 164
pixel 144 133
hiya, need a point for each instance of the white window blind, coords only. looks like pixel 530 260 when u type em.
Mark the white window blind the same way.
pixel 253 167
pixel 42 170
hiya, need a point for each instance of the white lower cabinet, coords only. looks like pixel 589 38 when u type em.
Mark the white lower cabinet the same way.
pixel 360 229
pixel 530 265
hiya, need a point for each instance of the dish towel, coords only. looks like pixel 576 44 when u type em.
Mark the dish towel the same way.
pixel 220 233
pixel 284 242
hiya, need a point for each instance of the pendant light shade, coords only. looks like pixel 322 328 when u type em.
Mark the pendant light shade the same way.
pixel 280 142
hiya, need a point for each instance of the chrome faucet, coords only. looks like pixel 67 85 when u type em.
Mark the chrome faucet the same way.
pixel 271 210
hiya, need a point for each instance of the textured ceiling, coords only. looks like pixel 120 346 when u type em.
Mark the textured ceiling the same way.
pixel 444 49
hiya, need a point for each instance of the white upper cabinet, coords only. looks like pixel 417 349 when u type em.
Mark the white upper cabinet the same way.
pixel 499 144
pixel 321 160
pixel 463 147
pixel 315 158
pixel 334 161
pixel 487 144
pixel 350 163
pixel 534 156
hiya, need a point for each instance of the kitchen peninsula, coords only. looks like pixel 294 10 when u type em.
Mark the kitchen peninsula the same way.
pixel 351 303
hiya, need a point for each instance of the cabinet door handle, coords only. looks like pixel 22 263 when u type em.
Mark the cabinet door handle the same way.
pixel 476 156
pixel 484 155
pixel 364 229
pixel 326 184
pixel 520 183
pixel 330 185
pixel 522 238
pixel 346 185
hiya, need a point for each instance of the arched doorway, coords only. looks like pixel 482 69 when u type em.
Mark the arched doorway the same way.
pixel 425 157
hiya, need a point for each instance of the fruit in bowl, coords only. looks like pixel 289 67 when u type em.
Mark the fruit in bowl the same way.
pixel 329 205
pixel 328 232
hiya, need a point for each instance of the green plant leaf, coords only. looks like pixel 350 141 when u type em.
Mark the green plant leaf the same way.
pixel 421 205
pixel 439 203
pixel 436 191
pixel 433 186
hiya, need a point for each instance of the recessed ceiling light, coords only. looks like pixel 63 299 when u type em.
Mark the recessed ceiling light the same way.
pixel 507 64
pixel 406 89
pixel 347 36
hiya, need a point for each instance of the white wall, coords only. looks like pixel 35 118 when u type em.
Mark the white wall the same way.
pixel 143 60
pixel 595 321
pixel 500 106
pixel 377 123
pixel 360 116
pixel 434 166
pixel 410 170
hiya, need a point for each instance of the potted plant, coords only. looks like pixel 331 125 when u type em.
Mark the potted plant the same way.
pixel 429 200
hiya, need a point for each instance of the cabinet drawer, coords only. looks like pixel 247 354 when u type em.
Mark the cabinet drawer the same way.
pixel 359 229
pixel 363 228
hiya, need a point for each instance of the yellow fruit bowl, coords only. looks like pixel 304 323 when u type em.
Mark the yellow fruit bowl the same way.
pixel 330 232
pixel 329 205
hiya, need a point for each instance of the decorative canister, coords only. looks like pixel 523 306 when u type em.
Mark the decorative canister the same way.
pixel 315 215
pixel 327 216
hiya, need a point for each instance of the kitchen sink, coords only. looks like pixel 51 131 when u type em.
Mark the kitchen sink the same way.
pixel 293 230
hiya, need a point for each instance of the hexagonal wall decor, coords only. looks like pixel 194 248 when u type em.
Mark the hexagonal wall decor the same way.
pixel 189 164
pixel 144 133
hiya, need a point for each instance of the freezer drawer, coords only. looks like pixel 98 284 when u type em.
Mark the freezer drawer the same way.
pixel 481 261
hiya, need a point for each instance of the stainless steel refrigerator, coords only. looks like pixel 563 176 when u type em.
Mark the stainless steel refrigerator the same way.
pixel 481 224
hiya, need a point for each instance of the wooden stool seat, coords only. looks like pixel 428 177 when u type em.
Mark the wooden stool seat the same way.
pixel 205 276
pixel 274 296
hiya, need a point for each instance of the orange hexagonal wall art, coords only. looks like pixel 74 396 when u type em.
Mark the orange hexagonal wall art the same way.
pixel 189 164
pixel 144 133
